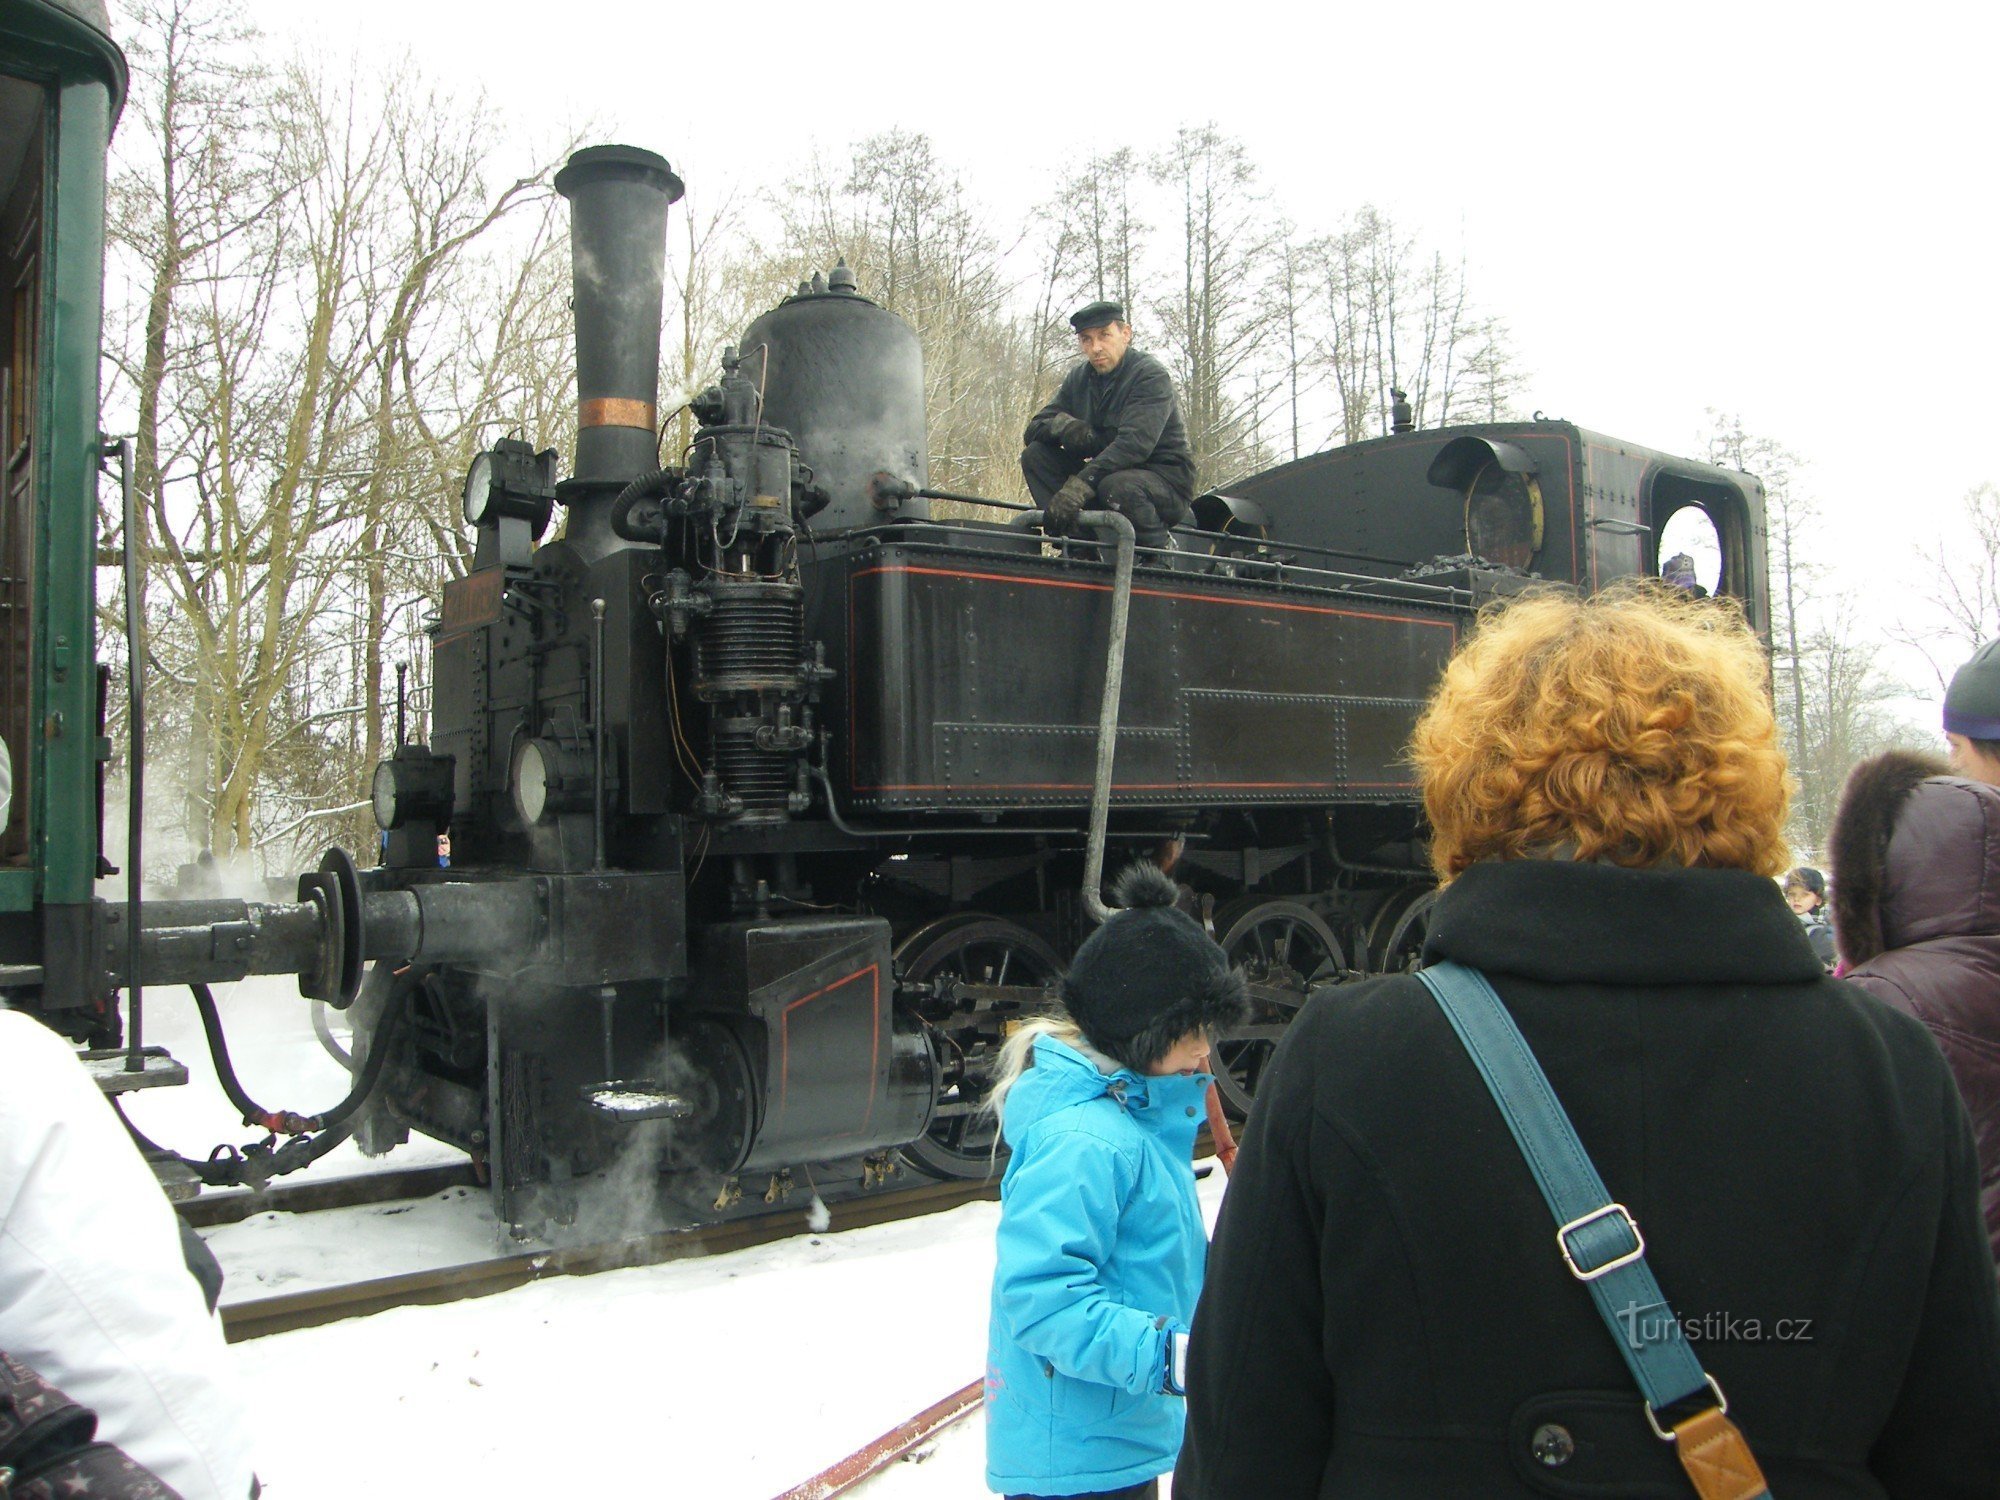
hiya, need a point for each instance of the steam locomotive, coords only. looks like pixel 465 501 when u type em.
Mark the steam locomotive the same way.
pixel 777 796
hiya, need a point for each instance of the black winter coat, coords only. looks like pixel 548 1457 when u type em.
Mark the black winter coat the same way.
pixel 1917 911
pixel 1137 417
pixel 1385 1311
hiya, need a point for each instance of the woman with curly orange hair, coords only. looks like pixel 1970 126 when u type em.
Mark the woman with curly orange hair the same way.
pixel 1386 1311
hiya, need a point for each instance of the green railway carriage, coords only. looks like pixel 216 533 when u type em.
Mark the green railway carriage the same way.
pixel 62 82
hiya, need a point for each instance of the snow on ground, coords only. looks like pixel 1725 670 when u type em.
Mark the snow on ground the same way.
pixel 270 1254
pixel 727 1378
pixel 732 1377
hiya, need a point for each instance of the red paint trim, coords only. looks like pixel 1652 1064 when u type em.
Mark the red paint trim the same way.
pixel 1139 593
pixel 874 973
pixel 1152 786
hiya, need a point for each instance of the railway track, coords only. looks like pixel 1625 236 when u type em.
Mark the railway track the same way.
pixel 337 1192
pixel 265 1316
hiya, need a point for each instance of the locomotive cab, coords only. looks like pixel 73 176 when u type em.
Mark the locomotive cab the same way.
pixel 1496 506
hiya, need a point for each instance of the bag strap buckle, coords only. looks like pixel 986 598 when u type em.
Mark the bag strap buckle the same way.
pixel 1665 1435
pixel 1637 1251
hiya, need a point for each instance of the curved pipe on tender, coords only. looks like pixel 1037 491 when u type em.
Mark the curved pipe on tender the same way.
pixel 1107 718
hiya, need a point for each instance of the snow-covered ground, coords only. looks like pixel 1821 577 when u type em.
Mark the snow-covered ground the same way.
pixel 727 1378
pixel 732 1377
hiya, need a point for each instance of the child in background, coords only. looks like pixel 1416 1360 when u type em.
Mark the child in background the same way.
pixel 1101 1246
pixel 1805 892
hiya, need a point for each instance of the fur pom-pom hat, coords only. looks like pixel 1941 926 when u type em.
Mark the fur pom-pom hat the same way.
pixel 1870 802
pixel 1150 976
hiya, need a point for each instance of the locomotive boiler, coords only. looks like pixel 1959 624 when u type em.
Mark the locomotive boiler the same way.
pixel 777 796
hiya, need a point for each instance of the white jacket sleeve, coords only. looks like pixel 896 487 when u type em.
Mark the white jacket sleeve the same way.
pixel 94 1293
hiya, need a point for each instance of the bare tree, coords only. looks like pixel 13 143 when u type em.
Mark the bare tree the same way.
pixel 296 261
pixel 1222 237
pixel 1832 696
pixel 702 317
pixel 1400 318
pixel 1958 607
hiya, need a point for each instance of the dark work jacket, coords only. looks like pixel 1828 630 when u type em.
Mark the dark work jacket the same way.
pixel 1386 1313
pixel 1137 417
pixel 1934 896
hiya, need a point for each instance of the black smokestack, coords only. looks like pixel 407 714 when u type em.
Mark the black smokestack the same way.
pixel 618 197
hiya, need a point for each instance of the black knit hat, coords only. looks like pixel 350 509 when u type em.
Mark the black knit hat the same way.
pixel 1150 976
pixel 1096 315
pixel 1972 702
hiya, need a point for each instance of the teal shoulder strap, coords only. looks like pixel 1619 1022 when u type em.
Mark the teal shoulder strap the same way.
pixel 1598 1238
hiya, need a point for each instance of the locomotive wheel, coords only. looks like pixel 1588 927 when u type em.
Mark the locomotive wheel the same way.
pixel 961 1140
pixel 1285 948
pixel 1396 935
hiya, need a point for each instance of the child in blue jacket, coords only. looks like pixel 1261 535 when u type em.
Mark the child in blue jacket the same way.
pixel 1101 1247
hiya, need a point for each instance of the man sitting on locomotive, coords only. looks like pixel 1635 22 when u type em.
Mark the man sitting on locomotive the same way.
pixel 1112 439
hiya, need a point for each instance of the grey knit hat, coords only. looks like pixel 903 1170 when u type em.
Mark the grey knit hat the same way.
pixel 1972 702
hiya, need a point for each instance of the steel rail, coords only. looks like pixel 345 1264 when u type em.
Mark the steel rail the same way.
pixel 355 1191
pixel 867 1462
pixel 266 1316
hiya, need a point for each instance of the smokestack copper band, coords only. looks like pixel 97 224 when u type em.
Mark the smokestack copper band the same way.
pixel 616 411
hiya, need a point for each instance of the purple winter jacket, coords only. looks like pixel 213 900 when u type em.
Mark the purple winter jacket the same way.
pixel 1916 860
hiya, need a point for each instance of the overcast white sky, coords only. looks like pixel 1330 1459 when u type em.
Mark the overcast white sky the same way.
pixel 1782 210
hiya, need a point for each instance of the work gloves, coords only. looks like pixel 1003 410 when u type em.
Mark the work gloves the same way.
pixel 1067 503
pixel 1072 434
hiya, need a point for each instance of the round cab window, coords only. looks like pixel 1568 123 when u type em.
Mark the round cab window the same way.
pixel 1690 553
pixel 1503 517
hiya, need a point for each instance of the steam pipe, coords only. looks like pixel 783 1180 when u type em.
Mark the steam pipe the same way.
pixel 861 831
pixel 886 490
pixel 597 733
pixel 1107 718
pixel 214 942
pixel 135 807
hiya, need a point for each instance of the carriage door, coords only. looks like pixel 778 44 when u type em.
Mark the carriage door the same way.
pixel 24 110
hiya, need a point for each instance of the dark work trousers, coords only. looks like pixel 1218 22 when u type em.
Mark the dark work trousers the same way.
pixel 1148 500
pixel 1150 1490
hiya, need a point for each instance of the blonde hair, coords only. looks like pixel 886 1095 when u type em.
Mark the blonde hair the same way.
pixel 1633 727
pixel 1017 1051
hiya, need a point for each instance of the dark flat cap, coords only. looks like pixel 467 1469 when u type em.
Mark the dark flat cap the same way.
pixel 1096 315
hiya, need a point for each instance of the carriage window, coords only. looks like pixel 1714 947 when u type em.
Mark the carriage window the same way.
pixel 1690 551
